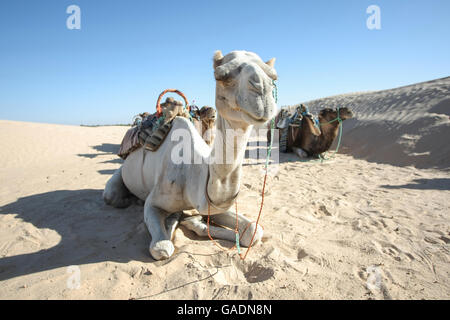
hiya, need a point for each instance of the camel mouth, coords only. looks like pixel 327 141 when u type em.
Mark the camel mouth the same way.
pixel 260 120
pixel 346 113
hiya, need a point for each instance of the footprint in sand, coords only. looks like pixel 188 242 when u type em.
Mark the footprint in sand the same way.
pixel 301 254
pixel 324 210
pixel 256 272
pixel 251 271
pixel 389 249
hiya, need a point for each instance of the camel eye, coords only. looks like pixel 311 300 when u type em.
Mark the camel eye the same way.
pixel 255 86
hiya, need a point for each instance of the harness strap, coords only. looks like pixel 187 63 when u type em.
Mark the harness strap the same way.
pixel 208 199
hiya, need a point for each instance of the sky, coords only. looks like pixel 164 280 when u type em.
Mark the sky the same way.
pixel 127 52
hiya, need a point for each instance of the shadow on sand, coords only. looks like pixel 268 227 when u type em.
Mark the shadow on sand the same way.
pixel 90 232
pixel 102 150
pixel 105 149
pixel 424 184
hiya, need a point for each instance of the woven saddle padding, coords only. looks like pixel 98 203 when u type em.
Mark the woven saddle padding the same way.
pixel 144 136
pixel 153 140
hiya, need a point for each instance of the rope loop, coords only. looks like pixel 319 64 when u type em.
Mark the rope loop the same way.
pixel 181 94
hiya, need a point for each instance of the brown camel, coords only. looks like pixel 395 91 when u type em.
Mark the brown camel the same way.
pixel 313 139
pixel 281 122
pixel 207 116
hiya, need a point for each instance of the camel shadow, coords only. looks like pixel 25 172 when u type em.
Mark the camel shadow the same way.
pixel 424 184
pixel 89 231
pixel 105 149
pixel 102 149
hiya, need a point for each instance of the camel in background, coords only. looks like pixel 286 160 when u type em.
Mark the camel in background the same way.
pixel 204 120
pixel 303 135
pixel 310 139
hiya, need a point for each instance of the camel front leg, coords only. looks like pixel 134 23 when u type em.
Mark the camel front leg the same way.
pixel 246 227
pixel 172 223
pixel 196 224
pixel 161 246
pixel 300 153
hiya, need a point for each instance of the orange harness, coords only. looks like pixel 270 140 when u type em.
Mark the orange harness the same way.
pixel 236 230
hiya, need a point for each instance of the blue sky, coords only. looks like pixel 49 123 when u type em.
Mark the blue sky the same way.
pixel 127 52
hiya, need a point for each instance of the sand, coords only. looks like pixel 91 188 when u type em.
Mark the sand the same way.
pixel 372 223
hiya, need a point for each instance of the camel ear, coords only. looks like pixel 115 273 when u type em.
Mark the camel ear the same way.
pixel 271 62
pixel 218 58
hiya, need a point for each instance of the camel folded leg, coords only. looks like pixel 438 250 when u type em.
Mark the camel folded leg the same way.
pixel 300 152
pixel 196 224
pixel 227 219
pixel 246 226
pixel 116 193
pixel 161 246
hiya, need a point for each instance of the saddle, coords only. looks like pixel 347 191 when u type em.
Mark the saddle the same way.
pixel 290 126
pixel 150 130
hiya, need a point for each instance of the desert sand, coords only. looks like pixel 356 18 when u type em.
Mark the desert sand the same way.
pixel 371 223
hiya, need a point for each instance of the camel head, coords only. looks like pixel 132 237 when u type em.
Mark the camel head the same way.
pixel 244 87
pixel 284 113
pixel 282 120
pixel 329 114
pixel 172 108
pixel 207 113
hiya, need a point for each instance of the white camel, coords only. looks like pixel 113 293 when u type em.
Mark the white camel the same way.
pixel 243 98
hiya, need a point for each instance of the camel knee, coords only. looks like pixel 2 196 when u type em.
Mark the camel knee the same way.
pixel 162 249
pixel 300 153
pixel 116 193
pixel 108 195
pixel 115 200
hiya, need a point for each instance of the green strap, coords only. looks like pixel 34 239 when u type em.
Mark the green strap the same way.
pixel 237 243
pixel 272 123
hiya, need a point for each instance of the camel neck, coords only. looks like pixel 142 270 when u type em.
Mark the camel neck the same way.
pixel 328 128
pixel 227 156
pixel 328 132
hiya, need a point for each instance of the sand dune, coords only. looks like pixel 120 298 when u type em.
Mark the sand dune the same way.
pixel 403 126
pixel 365 225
